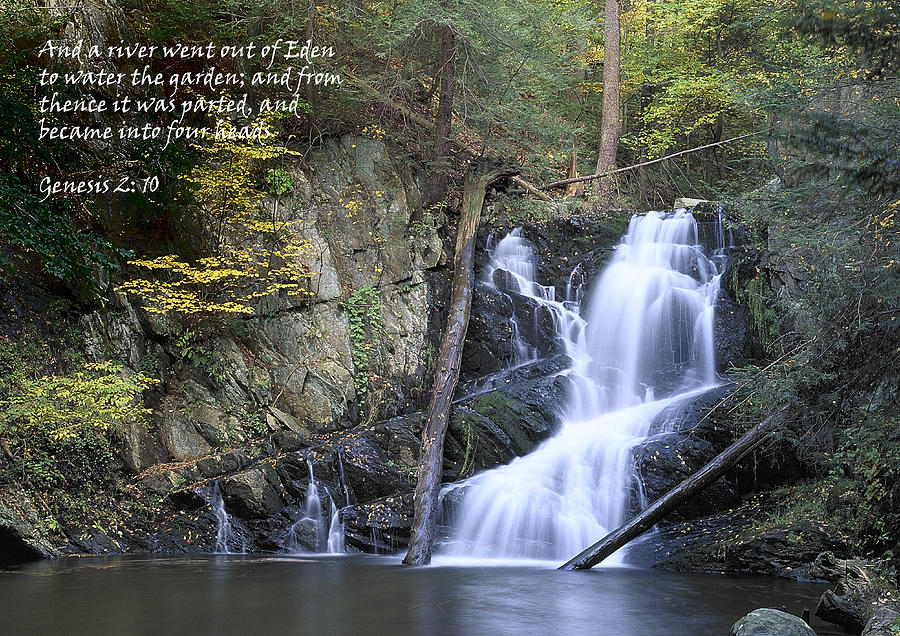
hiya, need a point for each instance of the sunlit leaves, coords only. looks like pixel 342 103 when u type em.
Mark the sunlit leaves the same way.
pixel 255 255
pixel 99 397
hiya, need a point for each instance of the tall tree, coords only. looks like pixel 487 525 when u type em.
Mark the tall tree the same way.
pixel 611 124
pixel 444 118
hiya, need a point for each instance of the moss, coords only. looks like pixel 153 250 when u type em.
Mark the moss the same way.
pixel 508 415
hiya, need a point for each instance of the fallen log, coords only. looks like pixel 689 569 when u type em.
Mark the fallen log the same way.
pixel 447 373
pixel 531 189
pixel 706 476
pixel 600 175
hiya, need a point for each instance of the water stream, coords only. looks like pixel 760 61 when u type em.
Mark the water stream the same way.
pixel 325 532
pixel 227 539
pixel 641 343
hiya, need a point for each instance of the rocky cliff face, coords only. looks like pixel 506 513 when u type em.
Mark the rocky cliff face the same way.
pixel 290 367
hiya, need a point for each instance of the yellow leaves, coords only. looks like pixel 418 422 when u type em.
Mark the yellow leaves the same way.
pixel 232 280
pixel 374 131
pixel 228 283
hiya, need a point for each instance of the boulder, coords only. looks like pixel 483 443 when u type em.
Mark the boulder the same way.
pixel 178 434
pixel 380 526
pixel 253 494
pixel 863 598
pixel 683 440
pixel 883 622
pixel 770 622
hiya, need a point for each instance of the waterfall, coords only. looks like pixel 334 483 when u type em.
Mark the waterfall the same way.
pixel 641 346
pixel 225 535
pixel 312 525
pixel 335 532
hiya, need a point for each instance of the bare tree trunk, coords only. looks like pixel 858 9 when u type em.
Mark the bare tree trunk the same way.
pixel 432 458
pixel 444 118
pixel 694 484
pixel 610 126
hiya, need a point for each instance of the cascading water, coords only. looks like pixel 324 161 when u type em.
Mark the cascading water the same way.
pixel 645 346
pixel 328 539
pixel 225 534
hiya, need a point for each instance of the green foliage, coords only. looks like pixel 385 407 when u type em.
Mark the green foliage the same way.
pixel 192 349
pixel 79 258
pixel 833 252
pixel 96 400
pixel 279 181
pixel 758 297
pixel 366 328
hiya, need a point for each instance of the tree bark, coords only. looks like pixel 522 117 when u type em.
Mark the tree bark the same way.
pixel 610 125
pixel 447 374
pixel 444 118
pixel 668 502
pixel 573 190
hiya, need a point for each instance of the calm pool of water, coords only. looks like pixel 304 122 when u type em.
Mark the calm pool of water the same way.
pixel 225 594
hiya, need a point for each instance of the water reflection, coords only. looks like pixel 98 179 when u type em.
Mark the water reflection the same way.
pixel 233 594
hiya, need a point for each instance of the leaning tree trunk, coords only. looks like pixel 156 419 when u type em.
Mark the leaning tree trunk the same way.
pixel 610 125
pixel 668 502
pixel 432 458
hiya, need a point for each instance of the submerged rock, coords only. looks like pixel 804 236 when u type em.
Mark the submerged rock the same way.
pixel 770 622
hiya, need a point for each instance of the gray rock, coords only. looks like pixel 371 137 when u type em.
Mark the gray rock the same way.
pixel 178 434
pixel 252 494
pixel 770 622
pixel 142 449
pixel 882 622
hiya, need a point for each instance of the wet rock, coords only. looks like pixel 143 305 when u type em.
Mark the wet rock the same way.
pixel 374 470
pixel 883 622
pixel 668 457
pixel 730 332
pixel 251 494
pixel 289 440
pixel 863 597
pixel 506 416
pixel 93 541
pixel 489 345
pixel 581 244
pixel 161 483
pixel 770 622
pixel 381 526
pixel 536 325
pixel 505 282
pixel 732 542
pixel 223 464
